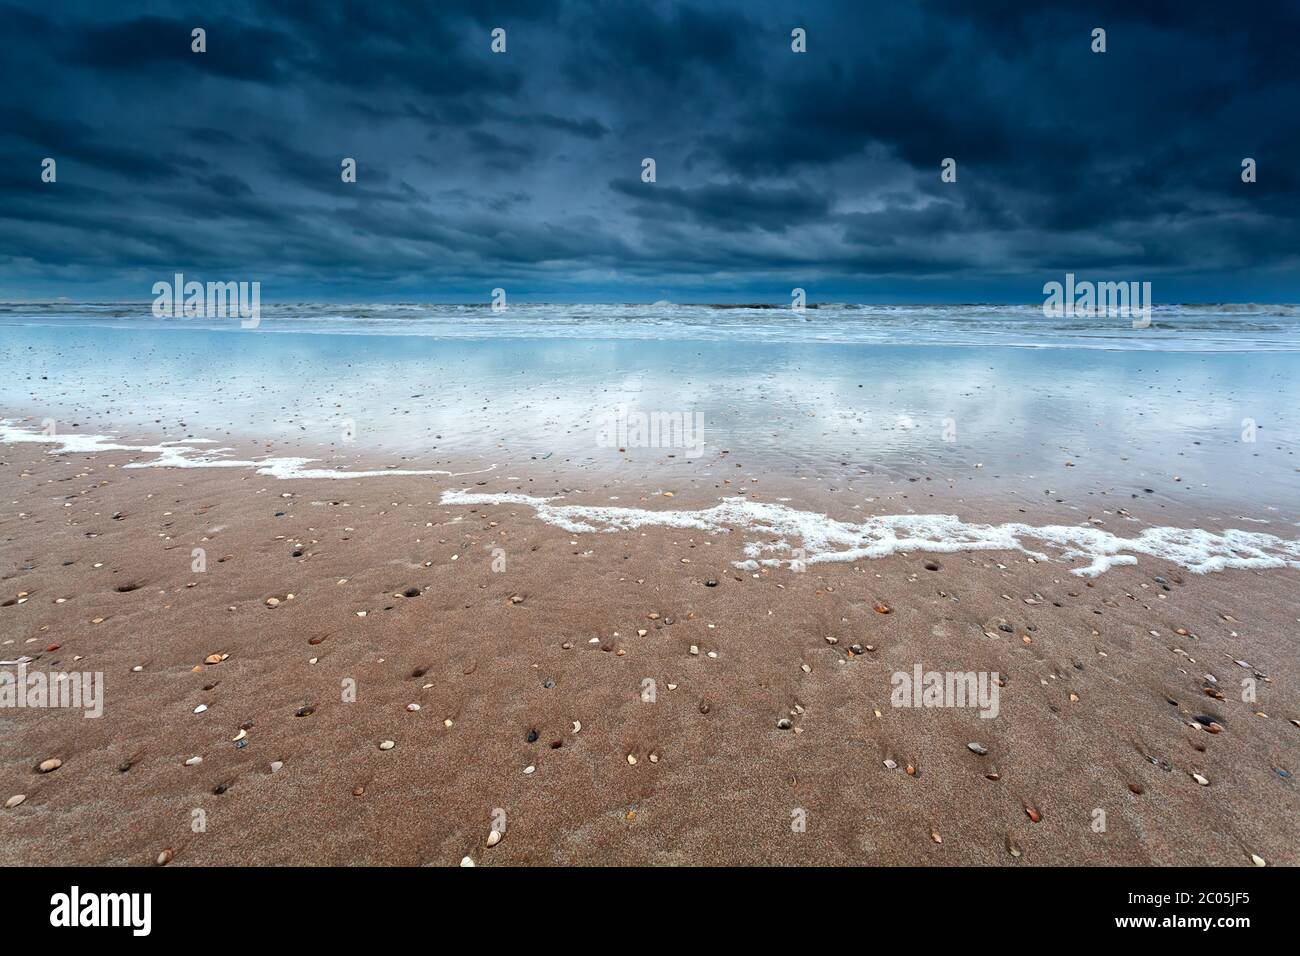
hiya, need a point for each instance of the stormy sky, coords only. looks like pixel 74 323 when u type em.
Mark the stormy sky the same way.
pixel 774 169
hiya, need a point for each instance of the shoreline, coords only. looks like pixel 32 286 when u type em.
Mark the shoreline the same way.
pixel 1085 716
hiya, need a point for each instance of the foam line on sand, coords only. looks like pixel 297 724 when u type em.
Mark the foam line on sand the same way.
pixel 822 538
pixel 181 454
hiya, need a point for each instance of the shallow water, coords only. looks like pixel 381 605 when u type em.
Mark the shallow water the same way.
pixel 1062 417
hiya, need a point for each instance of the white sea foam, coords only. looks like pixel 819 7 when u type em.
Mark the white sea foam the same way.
pixel 180 454
pixel 823 538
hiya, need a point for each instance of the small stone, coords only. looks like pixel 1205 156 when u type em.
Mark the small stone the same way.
pixel 528 771
pixel 164 857
pixel 631 759
pixel 466 861
pixel 277 766
pixel 201 708
pixel 15 800
pixel 695 650
pixel 891 765
pixel 832 640
pixel 212 659
pixel 1033 814
pixel 272 602
pixel 387 745
pixel 1257 860
pixel 47 766
pixel 412 707
pixel 516 599
pixel 1201 779
pixel 977 748
pixel 785 723
pixel 494 837
pixel 194 761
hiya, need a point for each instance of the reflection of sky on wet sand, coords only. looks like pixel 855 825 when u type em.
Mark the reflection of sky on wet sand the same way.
pixel 1125 420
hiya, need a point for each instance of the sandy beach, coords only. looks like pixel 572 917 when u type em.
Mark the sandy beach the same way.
pixel 628 696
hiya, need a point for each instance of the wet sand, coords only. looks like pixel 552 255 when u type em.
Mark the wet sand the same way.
pixel 1098 713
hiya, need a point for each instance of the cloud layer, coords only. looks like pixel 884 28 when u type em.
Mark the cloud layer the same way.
pixel 774 169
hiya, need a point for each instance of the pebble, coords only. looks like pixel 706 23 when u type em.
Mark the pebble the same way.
pixel 277 766
pixel 1257 860
pixel 1199 778
pixel 891 765
pixel 164 857
pixel 194 761
pixel 529 770
pixel 201 708
pixel 46 766
pixel 387 745
pixel 977 748
pixel 412 707
pixel 466 861
pixel 494 837
pixel 15 800
pixel 785 723
pixel 631 759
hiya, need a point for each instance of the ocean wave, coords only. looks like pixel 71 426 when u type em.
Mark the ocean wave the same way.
pixel 1233 327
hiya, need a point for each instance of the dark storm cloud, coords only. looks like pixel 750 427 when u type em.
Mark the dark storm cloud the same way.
pixel 774 169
